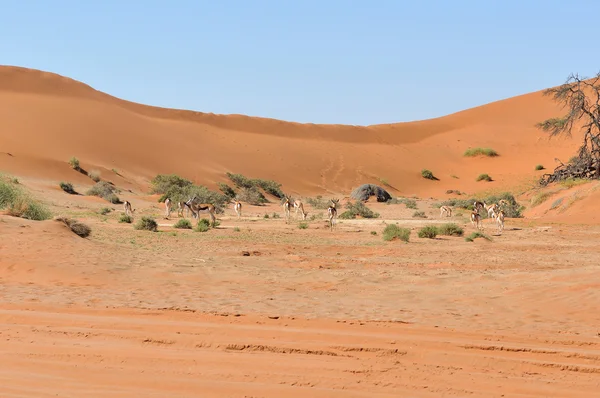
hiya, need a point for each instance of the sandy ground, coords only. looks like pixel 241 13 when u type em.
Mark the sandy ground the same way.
pixel 307 313
pixel 261 308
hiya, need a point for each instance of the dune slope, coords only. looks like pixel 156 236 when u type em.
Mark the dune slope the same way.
pixel 46 118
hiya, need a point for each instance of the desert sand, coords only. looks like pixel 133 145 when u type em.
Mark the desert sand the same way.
pixel 258 307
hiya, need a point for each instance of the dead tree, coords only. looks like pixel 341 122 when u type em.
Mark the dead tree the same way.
pixel 581 98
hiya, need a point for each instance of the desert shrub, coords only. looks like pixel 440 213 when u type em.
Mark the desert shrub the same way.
pixel 476 235
pixel 318 202
pixel 179 189
pixel 105 210
pixel 483 177
pixel 162 183
pixel 19 203
pixel 373 232
pixel 183 223
pixel 94 175
pixel 450 229
pixel 539 167
pixel 358 208
pixel 540 198
pixel 480 152
pixel 453 191
pixel 266 216
pixel 203 225
pixel 428 231
pixel 419 214
pixel 428 174
pixel 392 232
pixel 126 219
pixel 276 215
pixel 78 228
pixel 303 225
pixel 240 181
pixel 556 203
pixel 513 210
pixel 410 203
pixel 252 196
pixel 147 224
pixel 269 186
pixel 74 162
pixel 227 190
pixel 236 229
pixel 105 190
pixel 67 187
pixel 572 182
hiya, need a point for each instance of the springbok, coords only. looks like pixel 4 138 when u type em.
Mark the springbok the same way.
pixel 286 208
pixel 447 210
pixel 167 208
pixel 237 207
pixel 476 220
pixel 128 210
pixel 299 206
pixel 196 208
pixel 332 213
pixel 500 220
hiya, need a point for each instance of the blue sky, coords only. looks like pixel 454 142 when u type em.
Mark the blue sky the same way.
pixel 329 61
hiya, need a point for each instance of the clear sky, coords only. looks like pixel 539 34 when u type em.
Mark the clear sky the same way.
pixel 328 61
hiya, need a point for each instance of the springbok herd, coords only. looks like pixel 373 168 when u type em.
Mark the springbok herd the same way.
pixel 494 211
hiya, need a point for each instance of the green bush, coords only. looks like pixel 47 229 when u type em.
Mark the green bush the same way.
pixel 539 167
pixel 252 196
pixel 480 152
pixel 484 177
pixel 125 219
pixel 74 162
pixel 303 225
pixel 476 235
pixel 450 229
pixel 67 187
pixel 513 210
pixel 428 231
pixel 269 186
pixel 373 232
pixel 419 214
pixel 392 232
pixel 105 210
pixel 183 223
pixel 358 208
pixel 20 203
pixel 147 224
pixel 179 189
pixel 203 225
pixel 227 190
pixel 94 175
pixel 105 190
pixel 428 174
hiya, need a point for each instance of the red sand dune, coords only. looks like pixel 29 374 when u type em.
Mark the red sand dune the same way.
pixel 46 118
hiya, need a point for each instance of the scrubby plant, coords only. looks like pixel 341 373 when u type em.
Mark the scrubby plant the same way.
pixel 483 177
pixel 183 223
pixel 428 174
pixel 303 225
pixel 480 152
pixel 105 210
pixel 476 235
pixel 358 208
pixel 178 189
pixel 74 162
pixel 392 232
pixel 539 167
pixel 428 231
pixel 67 187
pixel 203 225
pixel 252 196
pixel 513 210
pixel 227 190
pixel 77 227
pixel 373 232
pixel 318 202
pixel 419 214
pixel 147 224
pixel 126 219
pixel 94 175
pixel 450 229
pixel 269 186
pixel 20 203
pixel 105 190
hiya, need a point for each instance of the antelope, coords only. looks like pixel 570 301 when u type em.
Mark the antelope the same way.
pixel 286 208
pixel 447 210
pixel 167 207
pixel 128 210
pixel 503 202
pixel 476 220
pixel 332 213
pixel 500 220
pixel 182 205
pixel 491 210
pixel 477 205
pixel 299 206
pixel 196 208
pixel 237 207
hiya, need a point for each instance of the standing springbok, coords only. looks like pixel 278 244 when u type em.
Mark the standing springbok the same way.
pixel 167 208
pixel 196 208
pixel 299 206
pixel 237 207
pixel 332 213
pixel 500 220
pixel 476 220
pixel 447 210
pixel 286 208
pixel 128 210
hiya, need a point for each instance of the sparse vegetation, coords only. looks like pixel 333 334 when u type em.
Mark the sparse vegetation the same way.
pixel 450 229
pixel 540 198
pixel 513 210
pixel 483 177
pixel 106 191
pixel 303 225
pixel 77 227
pixel 94 175
pixel 147 224
pixel 373 232
pixel 236 229
pixel 556 203
pixel 20 203
pixel 419 214
pixel 476 235
pixel 269 186
pixel 410 203
pixel 227 190
pixel 428 174
pixel 357 208
pixel 177 189
pixel 105 210
pixel 428 231
pixel 572 182
pixel 67 187
pixel 124 218
pixel 471 152
pixel 252 196
pixel 74 162
pixel 183 223
pixel 318 202
pixel 539 167
pixel 393 232
pixel 203 225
